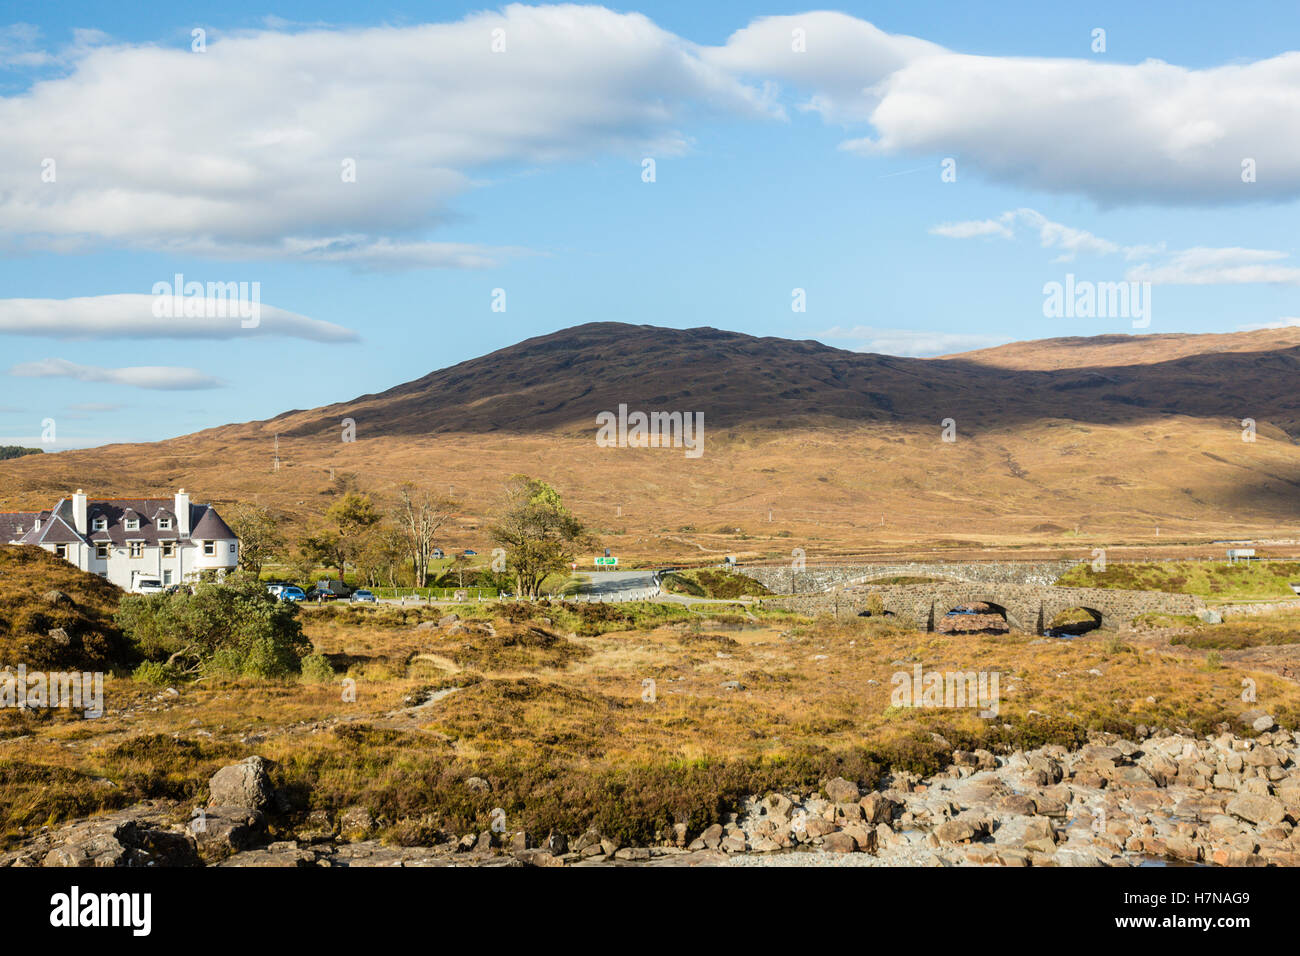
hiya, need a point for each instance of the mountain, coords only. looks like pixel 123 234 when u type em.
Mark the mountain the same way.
pixel 1060 444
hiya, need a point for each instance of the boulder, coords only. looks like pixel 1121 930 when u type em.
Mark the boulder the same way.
pixel 877 808
pixel 956 831
pixel 356 821
pixel 839 842
pixel 1257 809
pixel 219 831
pixel 245 784
pixel 840 790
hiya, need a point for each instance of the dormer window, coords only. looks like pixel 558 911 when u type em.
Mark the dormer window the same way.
pixel 100 523
pixel 132 524
pixel 164 524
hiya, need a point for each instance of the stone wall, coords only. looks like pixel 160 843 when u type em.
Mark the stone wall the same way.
pixel 1254 610
pixel 785 580
pixel 1028 607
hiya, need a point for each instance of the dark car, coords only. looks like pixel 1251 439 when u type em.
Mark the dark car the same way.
pixel 327 590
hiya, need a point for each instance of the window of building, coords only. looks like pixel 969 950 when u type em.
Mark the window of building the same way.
pixel 101 551
pixel 232 549
pixel 61 550
pixel 136 549
pixel 209 547
pixel 132 524
pixel 167 577
pixel 165 524
pixel 100 524
pixel 168 548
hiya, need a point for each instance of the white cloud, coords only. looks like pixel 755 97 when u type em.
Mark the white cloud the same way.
pixel 165 377
pixel 1051 235
pixel 1227 266
pixel 1119 133
pixel 1151 132
pixel 842 59
pixel 242 147
pixel 909 342
pixel 974 228
pixel 131 315
pixel 1196 266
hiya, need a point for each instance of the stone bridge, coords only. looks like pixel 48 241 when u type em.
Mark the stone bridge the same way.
pixel 786 579
pixel 1028 607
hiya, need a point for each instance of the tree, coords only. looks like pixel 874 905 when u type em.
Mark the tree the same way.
pixel 383 554
pixel 324 547
pixel 459 564
pixel 353 517
pixel 259 536
pixel 232 627
pixel 420 515
pixel 539 533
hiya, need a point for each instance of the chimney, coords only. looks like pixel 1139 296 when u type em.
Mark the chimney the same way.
pixel 79 512
pixel 182 514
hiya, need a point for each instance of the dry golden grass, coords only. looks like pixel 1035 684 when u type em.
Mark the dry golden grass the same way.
pixel 574 739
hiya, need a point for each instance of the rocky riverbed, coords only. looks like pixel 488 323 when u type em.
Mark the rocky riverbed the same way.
pixel 1224 800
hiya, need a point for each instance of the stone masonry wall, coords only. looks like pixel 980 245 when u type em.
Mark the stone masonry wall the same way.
pixel 786 580
pixel 1028 607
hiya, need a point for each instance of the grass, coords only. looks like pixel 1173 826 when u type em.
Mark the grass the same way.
pixel 1214 580
pixel 1239 633
pixel 551 709
pixel 82 609
pixel 709 583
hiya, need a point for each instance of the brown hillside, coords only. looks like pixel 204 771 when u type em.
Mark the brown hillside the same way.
pixel 55 617
pixel 806 446
pixel 1111 350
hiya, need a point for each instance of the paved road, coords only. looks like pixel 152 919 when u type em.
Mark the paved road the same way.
pixel 619 585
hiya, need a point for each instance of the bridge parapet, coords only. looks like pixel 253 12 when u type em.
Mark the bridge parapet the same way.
pixel 1028 607
pixel 787 580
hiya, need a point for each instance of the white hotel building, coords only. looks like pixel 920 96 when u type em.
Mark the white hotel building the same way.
pixel 168 540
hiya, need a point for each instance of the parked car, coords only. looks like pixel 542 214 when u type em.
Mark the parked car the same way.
pixel 141 584
pixel 437 553
pixel 327 590
pixel 361 594
pixel 291 593
pixel 469 553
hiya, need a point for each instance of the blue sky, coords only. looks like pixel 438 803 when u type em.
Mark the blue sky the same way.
pixel 776 169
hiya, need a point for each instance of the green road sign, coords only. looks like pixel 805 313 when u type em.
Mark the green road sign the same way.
pixel 606 562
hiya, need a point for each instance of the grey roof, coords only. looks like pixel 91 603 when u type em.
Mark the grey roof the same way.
pixel 16 524
pixel 211 526
pixel 58 526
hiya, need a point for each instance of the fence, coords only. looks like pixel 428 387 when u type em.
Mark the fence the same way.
pixel 433 594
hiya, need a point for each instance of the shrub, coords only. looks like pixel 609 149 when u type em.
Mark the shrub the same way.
pixel 232 628
pixel 152 672
pixel 316 669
